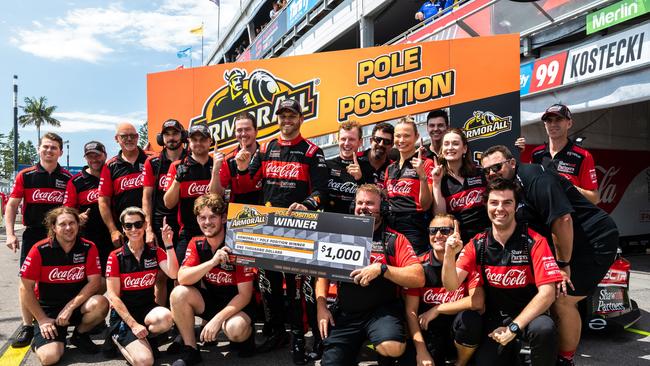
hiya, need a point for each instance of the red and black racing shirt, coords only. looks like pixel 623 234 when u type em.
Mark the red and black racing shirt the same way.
pixel 572 162
pixel 290 170
pixel 194 179
pixel 342 187
pixel 378 175
pixel 403 186
pixel 82 193
pixel 155 176
pixel 239 194
pixel 221 281
pixel 40 192
pixel 122 181
pixel 512 271
pixel 137 279
pixel 465 202
pixel 60 276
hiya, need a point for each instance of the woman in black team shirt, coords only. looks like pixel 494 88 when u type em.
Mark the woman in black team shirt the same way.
pixel 458 185
pixel 131 273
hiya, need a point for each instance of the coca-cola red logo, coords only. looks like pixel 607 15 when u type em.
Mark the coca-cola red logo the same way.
pixel 48 196
pixel 197 189
pixel 607 186
pixel 466 199
pixel 219 278
pixel 438 296
pixel 282 170
pixel 144 281
pixel 132 182
pixel 343 187
pixel 74 274
pixel 163 182
pixel 506 277
pixel 402 187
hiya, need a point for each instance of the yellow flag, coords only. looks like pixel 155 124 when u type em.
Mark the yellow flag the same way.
pixel 198 31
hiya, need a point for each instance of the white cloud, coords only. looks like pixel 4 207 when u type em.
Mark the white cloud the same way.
pixel 90 34
pixel 82 122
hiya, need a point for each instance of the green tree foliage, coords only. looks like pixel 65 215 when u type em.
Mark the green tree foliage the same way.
pixel 27 154
pixel 37 113
pixel 143 132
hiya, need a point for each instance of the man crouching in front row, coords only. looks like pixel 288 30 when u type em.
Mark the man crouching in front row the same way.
pixel 224 297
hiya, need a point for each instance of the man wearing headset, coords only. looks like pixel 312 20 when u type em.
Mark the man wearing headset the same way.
pixel 370 306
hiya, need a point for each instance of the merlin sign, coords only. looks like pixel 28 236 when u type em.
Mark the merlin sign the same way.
pixel 368 85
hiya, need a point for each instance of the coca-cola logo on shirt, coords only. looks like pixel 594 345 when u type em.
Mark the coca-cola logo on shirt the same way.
pixel 219 278
pixel 507 277
pixel 48 196
pixel 282 170
pixel 466 200
pixel 137 282
pixel 197 189
pixel 73 274
pixel 131 182
pixel 437 296
pixel 163 182
pixel 343 187
pixel 401 187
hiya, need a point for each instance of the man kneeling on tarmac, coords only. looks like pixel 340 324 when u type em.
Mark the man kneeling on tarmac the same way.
pixel 370 307
pixel 211 287
pixel 67 271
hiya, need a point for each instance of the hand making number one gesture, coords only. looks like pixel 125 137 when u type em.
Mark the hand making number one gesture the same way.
pixel 354 169
pixel 454 244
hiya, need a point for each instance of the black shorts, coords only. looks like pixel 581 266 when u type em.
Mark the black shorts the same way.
pixel 214 304
pixel 386 323
pixel 31 236
pixel 123 333
pixel 62 332
pixel 588 267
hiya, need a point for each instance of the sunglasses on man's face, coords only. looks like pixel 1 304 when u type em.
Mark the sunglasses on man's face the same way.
pixel 444 230
pixel 494 168
pixel 379 140
pixel 131 225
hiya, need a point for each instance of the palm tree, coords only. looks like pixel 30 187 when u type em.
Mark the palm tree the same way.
pixel 38 113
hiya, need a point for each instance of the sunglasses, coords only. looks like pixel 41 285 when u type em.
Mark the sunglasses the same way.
pixel 494 168
pixel 128 136
pixel 444 230
pixel 131 225
pixel 379 140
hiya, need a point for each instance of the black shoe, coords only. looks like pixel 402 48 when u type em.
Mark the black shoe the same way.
pixel 153 343
pixel 83 342
pixel 246 348
pixel 189 356
pixel 24 337
pixel 561 361
pixel 298 351
pixel 176 346
pixel 316 351
pixel 276 340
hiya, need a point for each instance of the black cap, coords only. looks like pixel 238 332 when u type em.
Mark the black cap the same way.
pixel 172 123
pixel 200 128
pixel 290 104
pixel 558 110
pixel 94 147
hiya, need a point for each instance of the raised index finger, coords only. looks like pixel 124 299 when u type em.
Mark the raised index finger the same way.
pixel 420 148
pixel 164 221
pixel 456 227
pixel 355 159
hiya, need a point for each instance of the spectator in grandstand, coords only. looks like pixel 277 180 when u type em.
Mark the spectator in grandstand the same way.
pixel 381 142
pixel 275 10
pixel 584 236
pixel 41 188
pixel 560 153
pixel 131 273
pixel 212 287
pixel 65 269
pixel 437 125
pixel 370 306
pixel 518 273
pixel 432 7
pixel 437 318
pixel 458 185
pixel 408 183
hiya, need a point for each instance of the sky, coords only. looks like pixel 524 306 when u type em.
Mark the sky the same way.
pixel 91 58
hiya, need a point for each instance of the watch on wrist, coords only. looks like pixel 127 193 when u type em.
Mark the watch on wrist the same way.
pixel 384 268
pixel 168 247
pixel 514 328
pixel 562 264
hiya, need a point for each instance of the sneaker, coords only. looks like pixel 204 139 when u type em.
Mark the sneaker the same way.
pixel 176 346
pixel 561 361
pixel 276 340
pixel 24 337
pixel 189 356
pixel 84 343
pixel 298 351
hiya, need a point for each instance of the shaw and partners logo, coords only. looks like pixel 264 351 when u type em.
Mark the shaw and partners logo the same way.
pixel 259 93
pixel 486 124
pixel 248 216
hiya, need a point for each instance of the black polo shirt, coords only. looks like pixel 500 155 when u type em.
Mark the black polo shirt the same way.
pixel 82 193
pixel 155 172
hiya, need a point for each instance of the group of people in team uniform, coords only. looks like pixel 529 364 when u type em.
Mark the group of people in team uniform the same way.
pixel 467 261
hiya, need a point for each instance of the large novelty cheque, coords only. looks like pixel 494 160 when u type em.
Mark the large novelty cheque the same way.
pixel 318 244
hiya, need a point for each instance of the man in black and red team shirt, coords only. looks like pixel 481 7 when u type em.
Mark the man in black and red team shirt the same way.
pixel 41 188
pixel 82 193
pixel 371 306
pixel 518 273
pixel 381 142
pixel 212 287
pixel 120 184
pixel 171 137
pixel 346 171
pixel 223 176
pixel 437 125
pixel 569 160
pixel 294 175
pixel 66 270
pixel 584 236
pixel 189 179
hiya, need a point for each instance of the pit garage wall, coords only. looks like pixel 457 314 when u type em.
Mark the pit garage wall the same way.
pixel 619 139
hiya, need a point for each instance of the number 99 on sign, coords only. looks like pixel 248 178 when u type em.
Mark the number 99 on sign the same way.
pixel 341 253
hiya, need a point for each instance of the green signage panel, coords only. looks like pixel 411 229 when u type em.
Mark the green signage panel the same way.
pixel 616 13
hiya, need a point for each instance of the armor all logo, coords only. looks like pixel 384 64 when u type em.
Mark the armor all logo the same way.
pixel 48 196
pixel 132 183
pixel 486 124
pixel 74 274
pixel 145 281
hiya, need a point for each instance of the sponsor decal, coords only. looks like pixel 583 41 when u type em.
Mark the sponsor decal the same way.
pixel 506 277
pixel 486 124
pixel 79 258
pixel 401 187
pixel 150 263
pixel 45 196
pixel 73 274
pixel 466 199
pixel 139 282
pixel 248 216
pixel 219 278
pixel 131 181
pixel 438 296
pixel 283 170
pixel 58 183
pixel 343 187
pixel 197 189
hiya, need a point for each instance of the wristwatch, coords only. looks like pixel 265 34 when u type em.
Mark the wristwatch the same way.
pixel 562 264
pixel 514 328
pixel 168 247
pixel 384 268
